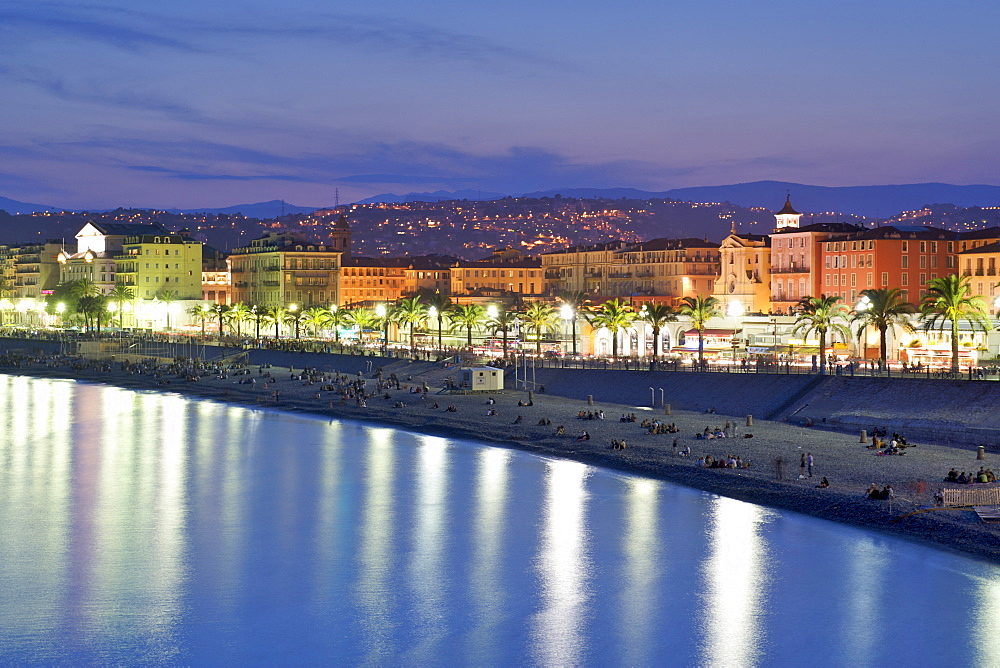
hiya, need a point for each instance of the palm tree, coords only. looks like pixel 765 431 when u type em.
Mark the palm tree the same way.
pixel 656 316
pixel 540 318
pixel 700 310
pixel 469 316
pixel 200 312
pixel 949 300
pixel 438 306
pixel 883 308
pixel 293 318
pixel 221 310
pixel 614 315
pixel 316 317
pixel 820 315
pixel 574 299
pixel 362 318
pixel 277 315
pixel 168 297
pixel 502 323
pixel 238 313
pixel 338 318
pixel 411 312
pixel 119 295
pixel 258 314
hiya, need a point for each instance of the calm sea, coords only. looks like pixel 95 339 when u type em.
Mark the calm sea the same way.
pixel 151 528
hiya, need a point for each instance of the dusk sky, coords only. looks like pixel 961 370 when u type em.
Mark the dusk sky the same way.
pixel 209 103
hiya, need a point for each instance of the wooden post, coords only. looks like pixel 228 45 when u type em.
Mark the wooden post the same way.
pixel 531 397
pixel 666 409
pixel 981 452
pixel 749 420
pixel 590 399
pixel 864 436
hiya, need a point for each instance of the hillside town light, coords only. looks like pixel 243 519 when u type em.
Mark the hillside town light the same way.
pixel 492 311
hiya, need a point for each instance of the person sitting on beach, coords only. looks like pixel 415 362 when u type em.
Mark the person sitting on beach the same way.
pixel 560 430
pixel 685 451
pixel 519 420
pixel 824 483
pixel 700 463
pixel 583 435
pixel 872 492
pixel 434 406
pixel 952 476
pixel 963 479
pixel 451 409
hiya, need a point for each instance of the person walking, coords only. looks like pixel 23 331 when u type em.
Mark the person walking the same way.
pixel 809 463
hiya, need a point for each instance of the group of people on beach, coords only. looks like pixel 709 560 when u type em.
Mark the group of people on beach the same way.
pixel 658 427
pixel 590 415
pixel 726 462
pixel 984 475
pixel 884 494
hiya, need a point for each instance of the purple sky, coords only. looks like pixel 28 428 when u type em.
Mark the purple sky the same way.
pixel 184 104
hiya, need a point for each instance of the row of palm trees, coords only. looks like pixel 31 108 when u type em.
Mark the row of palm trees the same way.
pixel 947 302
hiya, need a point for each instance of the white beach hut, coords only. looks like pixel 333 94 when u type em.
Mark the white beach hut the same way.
pixel 482 378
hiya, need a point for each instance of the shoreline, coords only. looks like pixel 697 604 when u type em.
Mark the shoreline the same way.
pixel 849 466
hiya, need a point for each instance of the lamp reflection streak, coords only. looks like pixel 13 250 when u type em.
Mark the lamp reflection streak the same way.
pixel 430 541
pixel 868 564
pixel 734 581
pixel 375 623
pixel 564 568
pixel 639 599
pixel 488 591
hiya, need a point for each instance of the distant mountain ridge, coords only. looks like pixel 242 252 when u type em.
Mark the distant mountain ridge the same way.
pixel 12 206
pixel 871 201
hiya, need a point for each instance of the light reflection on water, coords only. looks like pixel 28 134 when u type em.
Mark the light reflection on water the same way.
pixel 148 528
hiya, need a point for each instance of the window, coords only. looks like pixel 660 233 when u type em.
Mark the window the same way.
pixel 854 282
pixel 905 247
pixel 923 279
pixel 923 261
pixel 885 279
pixel 923 246
pixel 906 261
pixel 905 279
pixel 871 279
pixel 934 261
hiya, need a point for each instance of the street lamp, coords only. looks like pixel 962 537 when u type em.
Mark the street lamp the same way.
pixel 735 310
pixel 492 311
pixel 60 307
pixel 294 309
pixel 382 312
pixel 205 310
pixel 432 313
pixel 566 312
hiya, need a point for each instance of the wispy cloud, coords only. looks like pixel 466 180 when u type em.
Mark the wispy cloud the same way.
pixel 144 31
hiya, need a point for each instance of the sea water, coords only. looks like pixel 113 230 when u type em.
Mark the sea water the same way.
pixel 140 527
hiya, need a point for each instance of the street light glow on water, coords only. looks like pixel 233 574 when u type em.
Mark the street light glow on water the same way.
pixel 140 527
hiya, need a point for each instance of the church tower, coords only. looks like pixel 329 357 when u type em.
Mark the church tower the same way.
pixel 340 236
pixel 787 217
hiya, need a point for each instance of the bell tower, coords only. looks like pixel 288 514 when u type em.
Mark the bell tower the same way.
pixel 787 217
pixel 340 236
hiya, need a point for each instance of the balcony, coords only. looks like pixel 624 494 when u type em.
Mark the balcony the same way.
pixel 789 270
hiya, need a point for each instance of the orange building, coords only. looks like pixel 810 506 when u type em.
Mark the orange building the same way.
pixel 896 256
pixel 796 268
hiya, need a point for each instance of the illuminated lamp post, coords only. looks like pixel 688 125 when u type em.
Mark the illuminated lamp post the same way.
pixel 863 305
pixel 112 308
pixel 735 310
pixel 566 312
pixel 294 308
pixel 60 308
pixel 382 312
pixel 432 313
pixel 205 310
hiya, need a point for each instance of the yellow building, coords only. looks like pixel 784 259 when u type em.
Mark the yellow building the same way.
pixel 284 268
pixel 745 272
pixel 152 264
